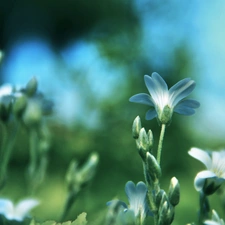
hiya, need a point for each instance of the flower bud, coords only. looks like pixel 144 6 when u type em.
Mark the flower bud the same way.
pixel 31 86
pixel 19 104
pixel 150 138
pixel 143 140
pixel 136 127
pixel 78 177
pixel 166 214
pixel 153 167
pixel 33 113
pixel 161 197
pixel 174 191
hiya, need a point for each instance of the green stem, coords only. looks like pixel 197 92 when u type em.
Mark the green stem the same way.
pixel 33 165
pixel 159 151
pixel 151 194
pixel 69 203
pixel 204 208
pixel 6 153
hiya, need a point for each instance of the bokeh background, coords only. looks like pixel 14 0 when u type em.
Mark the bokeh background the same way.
pixel 89 57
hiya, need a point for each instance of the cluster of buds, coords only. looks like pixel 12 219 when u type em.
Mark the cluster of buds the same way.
pixel 79 177
pixel 161 204
pixel 144 142
pixel 166 202
pixel 27 103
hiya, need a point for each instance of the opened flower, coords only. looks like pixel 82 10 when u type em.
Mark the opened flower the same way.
pixel 215 219
pixel 164 101
pixel 17 212
pixel 209 180
pixel 137 198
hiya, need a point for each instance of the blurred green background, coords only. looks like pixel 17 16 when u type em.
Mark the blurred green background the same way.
pixel 89 58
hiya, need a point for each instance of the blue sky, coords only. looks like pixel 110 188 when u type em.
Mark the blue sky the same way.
pixel 200 25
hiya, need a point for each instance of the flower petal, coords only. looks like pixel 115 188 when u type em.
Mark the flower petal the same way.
pixel 142 98
pixel 141 190
pixel 6 208
pixel 157 87
pixel 186 107
pixel 201 178
pixel 211 222
pixel 159 81
pixel 181 90
pixel 151 113
pixel 202 156
pixel 23 208
pixel 184 110
pixel 130 190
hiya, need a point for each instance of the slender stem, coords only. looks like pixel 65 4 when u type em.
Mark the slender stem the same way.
pixel 159 151
pixel 6 154
pixel 204 208
pixel 69 202
pixel 32 169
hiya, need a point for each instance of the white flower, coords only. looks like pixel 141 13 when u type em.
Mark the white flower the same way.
pixel 164 102
pixel 209 180
pixel 138 208
pixel 17 212
pixel 215 219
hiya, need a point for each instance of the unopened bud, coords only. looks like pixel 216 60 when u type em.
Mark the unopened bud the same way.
pixel 136 127
pixel 31 86
pixel 166 214
pixel 19 104
pixel 143 139
pixel 174 191
pixel 151 139
pixel 161 197
pixel 33 113
pixel 153 167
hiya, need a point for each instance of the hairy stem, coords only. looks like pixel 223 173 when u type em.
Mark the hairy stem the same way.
pixel 159 151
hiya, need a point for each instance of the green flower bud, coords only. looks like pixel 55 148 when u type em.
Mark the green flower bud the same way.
pixel 166 214
pixel 161 197
pixel 143 140
pixel 78 177
pixel 150 138
pixel 31 86
pixel 153 167
pixel 19 104
pixel 174 191
pixel 142 143
pixel 136 127
pixel 33 113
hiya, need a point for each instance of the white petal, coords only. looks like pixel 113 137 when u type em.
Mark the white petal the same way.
pixel 23 208
pixel 158 89
pixel 6 208
pixel 211 222
pixel 181 90
pixel 151 113
pixel 142 98
pixel 202 156
pixel 201 177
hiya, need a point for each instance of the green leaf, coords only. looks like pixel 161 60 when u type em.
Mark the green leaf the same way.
pixel 81 219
